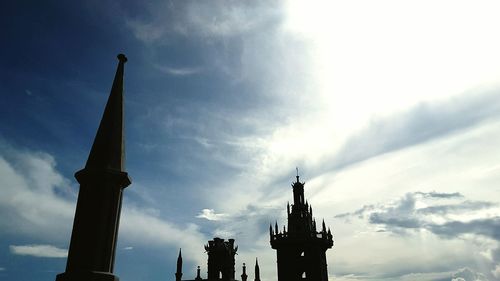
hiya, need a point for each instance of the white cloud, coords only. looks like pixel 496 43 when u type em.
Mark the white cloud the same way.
pixel 36 199
pixel 128 248
pixel 40 251
pixel 32 204
pixel 214 19
pixel 2 268
pixel 210 215
pixel 496 271
pixel 152 231
pixel 467 274
pixel 178 71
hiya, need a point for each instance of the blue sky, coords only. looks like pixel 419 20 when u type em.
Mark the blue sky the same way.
pixel 391 111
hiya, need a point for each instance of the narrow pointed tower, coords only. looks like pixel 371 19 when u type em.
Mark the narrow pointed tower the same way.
pixel 91 254
pixel 257 270
pixel 178 274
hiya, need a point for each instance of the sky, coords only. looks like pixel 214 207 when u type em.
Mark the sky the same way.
pixel 390 110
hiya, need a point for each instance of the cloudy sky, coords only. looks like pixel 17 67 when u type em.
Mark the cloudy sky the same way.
pixel 390 109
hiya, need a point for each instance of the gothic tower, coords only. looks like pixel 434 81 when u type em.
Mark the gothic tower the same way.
pixel 301 251
pixel 221 259
pixel 91 254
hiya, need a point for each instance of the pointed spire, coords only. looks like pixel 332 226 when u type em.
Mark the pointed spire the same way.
pixel 178 274
pixel 179 261
pixel 257 270
pixel 324 226
pixel 329 232
pixel 270 230
pixel 297 168
pixel 276 227
pixel 108 150
pixel 288 208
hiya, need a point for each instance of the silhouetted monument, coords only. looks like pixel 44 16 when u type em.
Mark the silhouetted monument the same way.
pixel 95 228
pixel 301 251
pixel 220 262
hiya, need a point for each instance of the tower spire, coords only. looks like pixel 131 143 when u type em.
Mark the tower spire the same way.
pixel 108 149
pixel 91 253
pixel 178 274
pixel 257 270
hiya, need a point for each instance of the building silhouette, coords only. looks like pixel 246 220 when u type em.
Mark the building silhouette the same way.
pixel 221 262
pixel 301 250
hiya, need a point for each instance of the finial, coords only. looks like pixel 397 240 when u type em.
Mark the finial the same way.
pixel 198 277
pixel 297 168
pixel 122 58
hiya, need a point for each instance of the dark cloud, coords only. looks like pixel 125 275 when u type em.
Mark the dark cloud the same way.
pixel 403 215
pixel 489 227
pixel 434 194
pixel 359 213
pixel 467 274
pixel 462 207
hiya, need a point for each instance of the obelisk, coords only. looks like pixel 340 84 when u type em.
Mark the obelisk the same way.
pixel 95 227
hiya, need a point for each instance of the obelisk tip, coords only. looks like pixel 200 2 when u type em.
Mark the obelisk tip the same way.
pixel 122 58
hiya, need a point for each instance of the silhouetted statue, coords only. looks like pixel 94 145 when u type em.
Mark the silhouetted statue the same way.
pixel 301 251
pixel 91 254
